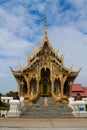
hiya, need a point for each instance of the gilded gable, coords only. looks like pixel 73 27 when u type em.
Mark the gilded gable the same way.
pixel 45 74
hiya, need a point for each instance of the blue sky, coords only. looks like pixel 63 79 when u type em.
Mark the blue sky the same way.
pixel 21 28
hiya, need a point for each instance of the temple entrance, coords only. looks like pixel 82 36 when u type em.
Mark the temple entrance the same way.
pixel 45 84
pixel 45 90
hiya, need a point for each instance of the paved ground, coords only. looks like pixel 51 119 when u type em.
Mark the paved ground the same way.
pixel 43 124
pixel 59 128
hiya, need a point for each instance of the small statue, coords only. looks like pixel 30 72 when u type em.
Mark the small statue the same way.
pixel 78 97
pixel 62 57
pixel 46 101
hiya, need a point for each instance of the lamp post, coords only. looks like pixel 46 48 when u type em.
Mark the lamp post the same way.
pixel 22 85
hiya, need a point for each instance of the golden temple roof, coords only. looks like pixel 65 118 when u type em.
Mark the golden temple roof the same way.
pixel 57 59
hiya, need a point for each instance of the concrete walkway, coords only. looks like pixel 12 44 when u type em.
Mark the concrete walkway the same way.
pixel 43 123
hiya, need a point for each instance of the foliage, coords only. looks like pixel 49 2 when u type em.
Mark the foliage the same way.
pixel 4 106
pixel 10 94
pixel 0 94
pixel 0 97
pixel 1 103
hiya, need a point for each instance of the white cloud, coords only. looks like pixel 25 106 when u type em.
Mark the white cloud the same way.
pixel 72 44
pixel 19 31
pixel 12 51
pixel 10 45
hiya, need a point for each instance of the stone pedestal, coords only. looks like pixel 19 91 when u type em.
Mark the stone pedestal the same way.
pixel 71 100
pixel 78 107
pixel 3 113
pixel 15 108
pixel 46 101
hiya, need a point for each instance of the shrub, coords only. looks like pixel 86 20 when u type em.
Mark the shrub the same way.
pixel 1 103
pixel 4 106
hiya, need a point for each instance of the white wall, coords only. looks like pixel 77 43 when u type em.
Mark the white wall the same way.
pixel 6 99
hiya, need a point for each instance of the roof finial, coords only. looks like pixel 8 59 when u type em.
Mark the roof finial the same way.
pixel 45 30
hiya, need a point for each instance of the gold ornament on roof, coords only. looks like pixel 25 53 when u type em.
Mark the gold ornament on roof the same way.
pixel 45 30
pixel 34 51
pixel 56 52
pixel 71 67
pixel 28 58
pixel 20 66
pixel 62 57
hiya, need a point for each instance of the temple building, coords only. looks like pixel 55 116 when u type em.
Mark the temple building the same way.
pixel 79 89
pixel 45 74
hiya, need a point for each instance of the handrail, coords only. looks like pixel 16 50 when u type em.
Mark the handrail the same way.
pixel 34 97
pixel 56 97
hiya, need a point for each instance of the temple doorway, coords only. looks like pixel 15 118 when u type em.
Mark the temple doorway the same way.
pixel 45 90
pixel 45 83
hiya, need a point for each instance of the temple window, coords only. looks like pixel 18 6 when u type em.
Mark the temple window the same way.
pixel 33 85
pixel 66 89
pixel 56 86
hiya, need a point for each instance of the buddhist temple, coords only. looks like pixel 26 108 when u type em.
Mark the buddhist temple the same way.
pixel 45 74
pixel 79 89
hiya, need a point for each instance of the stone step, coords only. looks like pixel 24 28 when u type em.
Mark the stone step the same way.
pixel 49 109
pixel 41 101
pixel 46 115
pixel 38 110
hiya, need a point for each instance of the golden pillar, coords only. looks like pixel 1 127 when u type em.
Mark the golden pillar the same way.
pixel 28 86
pixel 22 85
pixel 70 85
pixel 37 85
pixel 19 90
pixel 62 81
pixel 52 84
pixel 62 86
pixel 19 87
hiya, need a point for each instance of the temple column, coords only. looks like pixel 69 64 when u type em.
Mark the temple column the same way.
pixel 62 80
pixel 62 86
pixel 70 85
pixel 19 88
pixel 22 85
pixel 52 84
pixel 37 85
pixel 28 86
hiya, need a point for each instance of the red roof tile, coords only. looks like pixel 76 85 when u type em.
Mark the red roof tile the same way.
pixel 77 88
pixel 85 90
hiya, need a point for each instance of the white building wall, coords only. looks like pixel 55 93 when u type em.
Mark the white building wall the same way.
pixel 6 99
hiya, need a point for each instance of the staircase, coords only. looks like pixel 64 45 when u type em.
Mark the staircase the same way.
pixel 49 110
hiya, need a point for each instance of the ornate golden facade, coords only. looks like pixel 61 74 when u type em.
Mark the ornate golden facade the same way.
pixel 45 75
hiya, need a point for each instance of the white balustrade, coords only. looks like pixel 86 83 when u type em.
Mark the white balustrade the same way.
pixel 15 108
pixel 78 107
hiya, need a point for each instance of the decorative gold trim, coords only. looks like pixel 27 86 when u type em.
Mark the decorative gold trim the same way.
pixel 45 30
pixel 20 66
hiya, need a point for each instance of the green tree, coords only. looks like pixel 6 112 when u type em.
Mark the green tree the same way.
pixel 0 96
pixel 10 94
pixel 0 100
